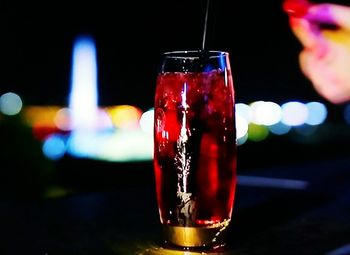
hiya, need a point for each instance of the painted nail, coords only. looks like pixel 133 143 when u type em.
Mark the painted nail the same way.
pixel 296 8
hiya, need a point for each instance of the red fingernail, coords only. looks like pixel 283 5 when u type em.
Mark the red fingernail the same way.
pixel 296 8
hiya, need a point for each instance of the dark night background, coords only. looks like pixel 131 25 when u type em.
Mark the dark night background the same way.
pixel 37 40
pixel 35 62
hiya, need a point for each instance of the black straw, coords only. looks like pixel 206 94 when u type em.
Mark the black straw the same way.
pixel 205 26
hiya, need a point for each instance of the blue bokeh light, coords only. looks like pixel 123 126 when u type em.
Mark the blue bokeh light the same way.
pixel 317 113
pixel 54 147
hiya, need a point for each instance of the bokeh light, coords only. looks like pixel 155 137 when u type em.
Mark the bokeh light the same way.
pixel 265 113
pixel 129 133
pixel 39 116
pixel 124 116
pixel 244 111
pixel 257 133
pixel 83 143
pixel 242 140
pixel 279 128
pixel 54 147
pixel 241 127
pixel 317 113
pixel 10 103
pixel 118 146
pixel 146 121
pixel 294 113
pixel 62 119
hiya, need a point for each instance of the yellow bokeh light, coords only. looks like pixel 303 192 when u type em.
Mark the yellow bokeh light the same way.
pixel 124 116
pixel 41 116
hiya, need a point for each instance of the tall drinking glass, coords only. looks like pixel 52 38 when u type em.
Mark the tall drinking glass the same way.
pixel 195 147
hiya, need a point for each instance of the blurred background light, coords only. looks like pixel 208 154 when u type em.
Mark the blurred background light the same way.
pixel 54 147
pixel 146 121
pixel 124 116
pixel 127 146
pixel 317 113
pixel 242 140
pixel 126 126
pixel 40 116
pixel 117 146
pixel 62 119
pixel 241 127
pixel 279 128
pixel 294 113
pixel 257 133
pixel 112 133
pixel 244 111
pixel 10 103
pixel 265 113
pixel 83 144
pixel 83 98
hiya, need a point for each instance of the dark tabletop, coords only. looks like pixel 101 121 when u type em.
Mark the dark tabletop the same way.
pixel 119 215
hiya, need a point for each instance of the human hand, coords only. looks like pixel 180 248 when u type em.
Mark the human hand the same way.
pixel 324 32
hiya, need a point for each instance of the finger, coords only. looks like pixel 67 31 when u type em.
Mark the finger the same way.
pixel 325 77
pixel 304 57
pixel 307 32
pixel 314 70
pixel 329 14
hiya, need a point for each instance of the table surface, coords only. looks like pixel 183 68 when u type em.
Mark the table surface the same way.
pixel 123 219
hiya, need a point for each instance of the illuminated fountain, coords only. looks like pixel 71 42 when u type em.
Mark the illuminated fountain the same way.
pixel 83 98
pixel 93 132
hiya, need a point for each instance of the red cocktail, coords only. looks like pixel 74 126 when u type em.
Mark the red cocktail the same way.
pixel 195 147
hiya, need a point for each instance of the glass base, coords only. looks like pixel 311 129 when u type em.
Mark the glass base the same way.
pixel 167 251
pixel 210 237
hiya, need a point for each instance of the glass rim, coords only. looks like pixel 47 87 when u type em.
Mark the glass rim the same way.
pixel 194 54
